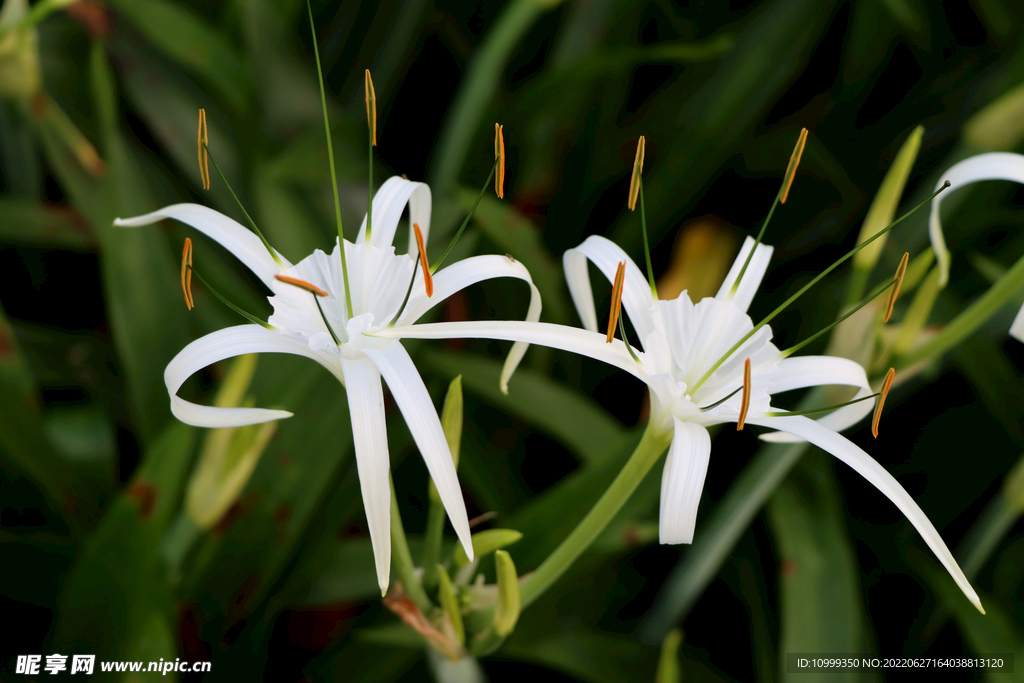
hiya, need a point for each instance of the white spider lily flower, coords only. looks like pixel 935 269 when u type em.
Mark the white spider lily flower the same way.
pixel 379 280
pixel 682 342
pixel 991 166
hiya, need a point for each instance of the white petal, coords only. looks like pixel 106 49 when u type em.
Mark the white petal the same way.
pixel 227 343
pixel 606 255
pixel 845 450
pixel 240 241
pixel 370 437
pixel 751 278
pixel 1017 328
pixel 562 337
pixel 412 398
pixel 813 371
pixel 992 166
pixel 388 204
pixel 469 271
pixel 682 482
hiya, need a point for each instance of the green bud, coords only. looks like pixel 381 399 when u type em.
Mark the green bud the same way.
pixel 668 661
pixel 451 422
pixel 486 542
pixel 450 603
pixel 883 208
pixel 506 612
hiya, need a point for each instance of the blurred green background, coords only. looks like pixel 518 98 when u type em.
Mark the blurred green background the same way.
pixel 98 121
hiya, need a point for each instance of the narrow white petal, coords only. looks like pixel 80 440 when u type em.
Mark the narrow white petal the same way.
pixel 1017 328
pixel 412 398
pixel 845 450
pixel 227 343
pixel 570 339
pixel 370 437
pixel 751 278
pixel 388 204
pixel 240 241
pixel 992 166
pixel 682 482
pixel 469 271
pixel 637 298
pixel 813 371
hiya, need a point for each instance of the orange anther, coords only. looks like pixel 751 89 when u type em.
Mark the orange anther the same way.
pixel 499 155
pixel 794 161
pixel 186 273
pixel 886 383
pixel 745 405
pixel 204 156
pixel 894 291
pixel 613 318
pixel 428 282
pixel 371 107
pixel 301 284
pixel 638 168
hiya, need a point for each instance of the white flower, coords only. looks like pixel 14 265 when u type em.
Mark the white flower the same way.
pixel 991 166
pixel 379 281
pixel 682 342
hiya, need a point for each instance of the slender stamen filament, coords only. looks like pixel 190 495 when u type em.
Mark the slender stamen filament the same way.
pixel 428 281
pixel 204 156
pixel 826 409
pixel 224 300
pixel 874 295
pixel 408 292
pixel 901 270
pixel 186 273
pixel 334 174
pixel 613 316
pixel 814 281
pixel 780 198
pixel 877 416
pixel 745 405
pixel 499 157
pixel 462 228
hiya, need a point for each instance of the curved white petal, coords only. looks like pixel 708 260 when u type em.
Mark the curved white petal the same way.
pixel 370 437
pixel 388 204
pixel 606 255
pixel 682 482
pixel 813 371
pixel 240 241
pixel 570 339
pixel 751 278
pixel 406 385
pixel 466 272
pixel 845 450
pixel 226 343
pixel 992 166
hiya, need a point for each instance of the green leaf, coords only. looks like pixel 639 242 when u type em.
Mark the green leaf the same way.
pixel 184 37
pixel 566 414
pixel 821 607
pixel 35 224
pixel 668 661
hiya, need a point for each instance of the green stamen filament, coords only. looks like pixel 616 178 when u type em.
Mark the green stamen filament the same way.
pixel 874 295
pixel 458 233
pixel 334 174
pixel 245 314
pixel 812 411
pixel 647 246
pixel 810 284
pixel 330 329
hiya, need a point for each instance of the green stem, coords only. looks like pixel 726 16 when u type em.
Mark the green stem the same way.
pixel 401 558
pixel 970 320
pixel 652 444
pixel 432 541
